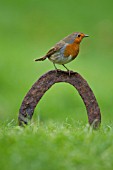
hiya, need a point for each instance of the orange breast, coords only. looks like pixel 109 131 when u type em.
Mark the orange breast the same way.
pixel 72 50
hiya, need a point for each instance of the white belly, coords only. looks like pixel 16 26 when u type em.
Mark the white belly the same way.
pixel 60 59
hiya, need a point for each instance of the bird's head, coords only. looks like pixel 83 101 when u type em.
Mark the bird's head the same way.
pixel 75 37
pixel 79 36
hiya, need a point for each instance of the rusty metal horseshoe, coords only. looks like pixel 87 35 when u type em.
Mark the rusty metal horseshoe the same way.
pixel 46 81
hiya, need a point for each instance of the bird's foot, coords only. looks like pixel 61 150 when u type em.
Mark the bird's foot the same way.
pixel 57 70
pixel 69 72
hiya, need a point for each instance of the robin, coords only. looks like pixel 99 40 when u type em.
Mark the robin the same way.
pixel 65 50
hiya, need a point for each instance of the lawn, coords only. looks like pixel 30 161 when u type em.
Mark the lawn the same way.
pixel 68 145
pixel 59 136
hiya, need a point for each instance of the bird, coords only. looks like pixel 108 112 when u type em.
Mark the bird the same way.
pixel 65 51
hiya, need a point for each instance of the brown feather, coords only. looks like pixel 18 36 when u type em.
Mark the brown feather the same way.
pixel 41 59
pixel 71 49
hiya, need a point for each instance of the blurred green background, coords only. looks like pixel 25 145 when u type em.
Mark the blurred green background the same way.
pixel 28 29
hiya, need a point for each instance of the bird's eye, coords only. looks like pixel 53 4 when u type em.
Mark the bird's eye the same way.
pixel 79 35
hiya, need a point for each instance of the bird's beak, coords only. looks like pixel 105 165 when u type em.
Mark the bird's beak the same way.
pixel 85 35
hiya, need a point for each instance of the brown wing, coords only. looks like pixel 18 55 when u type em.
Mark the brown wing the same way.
pixel 56 48
pixel 67 40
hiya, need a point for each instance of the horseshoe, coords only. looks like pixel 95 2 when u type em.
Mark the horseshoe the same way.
pixel 46 81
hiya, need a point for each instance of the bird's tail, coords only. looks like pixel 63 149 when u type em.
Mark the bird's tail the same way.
pixel 41 59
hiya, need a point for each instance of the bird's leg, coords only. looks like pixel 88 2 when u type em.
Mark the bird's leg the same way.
pixel 55 67
pixel 67 69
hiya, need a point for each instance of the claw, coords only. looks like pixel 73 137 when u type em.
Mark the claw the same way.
pixel 56 71
pixel 67 69
pixel 69 72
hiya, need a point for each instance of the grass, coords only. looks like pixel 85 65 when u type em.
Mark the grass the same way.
pixel 69 145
